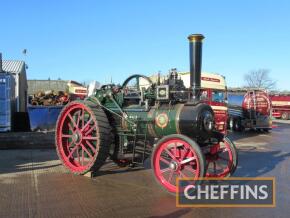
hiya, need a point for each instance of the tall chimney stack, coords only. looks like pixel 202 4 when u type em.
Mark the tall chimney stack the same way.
pixel 1 69
pixel 195 58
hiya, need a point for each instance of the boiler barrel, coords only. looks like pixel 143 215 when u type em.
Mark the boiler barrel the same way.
pixel 184 119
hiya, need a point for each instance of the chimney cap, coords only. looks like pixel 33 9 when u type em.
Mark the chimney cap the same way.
pixel 195 37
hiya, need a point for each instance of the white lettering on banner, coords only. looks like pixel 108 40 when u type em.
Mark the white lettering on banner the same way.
pixel 218 192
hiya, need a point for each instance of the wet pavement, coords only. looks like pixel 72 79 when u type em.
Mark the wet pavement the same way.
pixel 34 184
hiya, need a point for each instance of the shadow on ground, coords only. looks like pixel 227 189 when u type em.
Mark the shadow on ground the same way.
pixel 255 163
pixel 26 140
pixel 15 161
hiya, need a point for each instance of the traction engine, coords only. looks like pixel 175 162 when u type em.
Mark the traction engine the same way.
pixel 130 122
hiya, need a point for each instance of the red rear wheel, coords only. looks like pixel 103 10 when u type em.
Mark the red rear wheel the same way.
pixel 222 159
pixel 82 137
pixel 176 156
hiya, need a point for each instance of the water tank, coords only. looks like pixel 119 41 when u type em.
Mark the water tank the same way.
pixel 251 103
pixel 258 101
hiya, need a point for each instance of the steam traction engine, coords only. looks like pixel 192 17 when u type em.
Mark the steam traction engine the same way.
pixel 128 122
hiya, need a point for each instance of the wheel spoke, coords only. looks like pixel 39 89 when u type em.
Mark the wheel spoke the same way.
pixel 170 154
pixel 185 153
pixel 72 152
pixel 165 170
pixel 91 146
pixel 190 169
pixel 85 149
pixel 185 161
pixel 71 128
pixel 66 136
pixel 182 174
pixel 170 176
pixel 72 120
pixel 70 144
pixel 90 130
pixel 179 153
pixel 164 160
pixel 175 149
pixel 90 138
pixel 78 118
pixel 86 125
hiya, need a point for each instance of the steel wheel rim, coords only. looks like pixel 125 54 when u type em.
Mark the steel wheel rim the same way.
pixel 179 154
pixel 221 165
pixel 78 137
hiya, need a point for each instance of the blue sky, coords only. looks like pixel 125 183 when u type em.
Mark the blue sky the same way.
pixel 96 40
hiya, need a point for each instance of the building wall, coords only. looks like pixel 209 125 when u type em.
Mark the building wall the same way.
pixel 17 69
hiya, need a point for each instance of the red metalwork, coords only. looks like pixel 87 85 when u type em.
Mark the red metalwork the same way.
pixel 221 160
pixel 258 101
pixel 77 137
pixel 221 116
pixel 280 106
pixel 174 158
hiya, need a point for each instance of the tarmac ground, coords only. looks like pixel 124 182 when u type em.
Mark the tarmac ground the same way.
pixel 33 183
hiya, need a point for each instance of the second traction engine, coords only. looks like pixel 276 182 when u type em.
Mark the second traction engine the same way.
pixel 128 121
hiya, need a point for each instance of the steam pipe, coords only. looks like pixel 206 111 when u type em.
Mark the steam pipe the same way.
pixel 195 60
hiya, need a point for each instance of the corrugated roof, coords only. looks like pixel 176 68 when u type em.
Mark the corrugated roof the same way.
pixel 13 66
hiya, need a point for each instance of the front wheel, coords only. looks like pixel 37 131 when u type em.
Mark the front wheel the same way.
pixel 176 156
pixel 221 159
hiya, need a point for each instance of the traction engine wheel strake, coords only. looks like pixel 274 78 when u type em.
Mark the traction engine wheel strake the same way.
pixel 172 159
pixel 220 160
pixel 77 136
